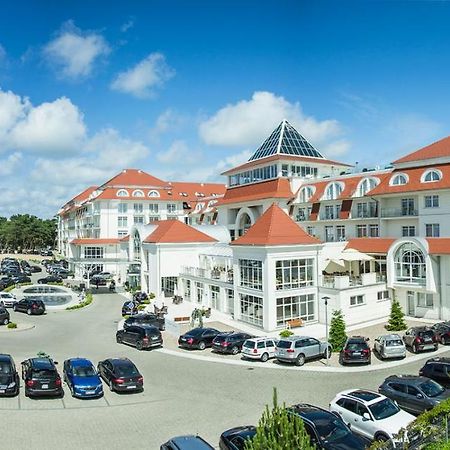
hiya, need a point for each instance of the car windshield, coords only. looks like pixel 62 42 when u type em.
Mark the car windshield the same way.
pixel 5 368
pixel 356 346
pixel 284 344
pixel 331 430
pixel 43 373
pixel 394 343
pixel 431 389
pixel 125 370
pixel 249 344
pixel 384 409
pixel 195 332
pixel 428 334
pixel 84 371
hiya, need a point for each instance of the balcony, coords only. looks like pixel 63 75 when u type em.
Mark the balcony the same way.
pixel 398 212
pixel 347 281
pixel 226 276
pixel 365 215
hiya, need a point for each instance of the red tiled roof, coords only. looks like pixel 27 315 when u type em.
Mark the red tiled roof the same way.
pixel 278 188
pixel 174 231
pixel 438 149
pixel 134 177
pixel 275 227
pixel 438 246
pixel 93 241
pixel 279 157
pixel 370 245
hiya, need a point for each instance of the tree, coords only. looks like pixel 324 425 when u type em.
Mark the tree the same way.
pixel 397 318
pixel 279 429
pixel 337 335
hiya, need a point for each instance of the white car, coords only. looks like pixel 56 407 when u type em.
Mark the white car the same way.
pixel 261 348
pixel 7 299
pixel 370 414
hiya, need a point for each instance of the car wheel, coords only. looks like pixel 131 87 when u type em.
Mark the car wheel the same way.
pixel 327 353
pixel 201 345
pixel 15 308
pixel 264 357
pixel 443 340
pixel 111 386
pixel 5 322
pixel 415 349
pixel 381 437
pixel 119 339
pixel 139 345
pixel 234 350
pixel 29 311
pixel 300 360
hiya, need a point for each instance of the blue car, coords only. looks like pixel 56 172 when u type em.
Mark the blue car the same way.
pixel 82 378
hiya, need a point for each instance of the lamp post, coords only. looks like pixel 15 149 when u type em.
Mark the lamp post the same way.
pixel 325 299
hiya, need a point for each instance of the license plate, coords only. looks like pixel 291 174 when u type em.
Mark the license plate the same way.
pixel 154 338
pixel 429 346
pixel 182 339
pixel 90 392
pixel 357 354
pixel 131 387
pixel 2 391
pixel 45 386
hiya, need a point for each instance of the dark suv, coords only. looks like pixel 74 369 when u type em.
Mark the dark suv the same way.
pixel 230 342
pixel 356 350
pixel 146 319
pixel 9 378
pixel 420 339
pixel 198 338
pixel 29 306
pixel 141 337
pixel 442 332
pixel 41 378
pixel 4 315
pixel 438 369
pixel 414 394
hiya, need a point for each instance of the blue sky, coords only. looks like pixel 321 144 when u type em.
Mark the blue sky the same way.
pixel 185 90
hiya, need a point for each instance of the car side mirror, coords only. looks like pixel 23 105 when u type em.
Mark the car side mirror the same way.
pixel 56 363
pixel 419 396
pixel 366 417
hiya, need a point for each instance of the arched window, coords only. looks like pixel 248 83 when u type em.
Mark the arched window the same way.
pixel 306 193
pixel 410 264
pixel 137 193
pixel 122 193
pixel 366 185
pixel 244 224
pixel 333 191
pixel 399 179
pixel 431 175
pixel 153 194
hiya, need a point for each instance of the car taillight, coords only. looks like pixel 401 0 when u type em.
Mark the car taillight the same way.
pixel 30 383
pixel 145 339
pixel 140 380
pixel 255 350
pixel 34 306
pixel 118 380
pixel 418 339
pixel 366 351
pixel 290 350
pixel 58 382
pixel 190 340
pixel 224 344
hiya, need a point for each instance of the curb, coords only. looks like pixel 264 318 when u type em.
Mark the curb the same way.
pixel 17 330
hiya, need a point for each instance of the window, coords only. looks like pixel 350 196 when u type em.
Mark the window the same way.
pixel 361 231
pixel 373 230
pixel 284 170
pixel 251 273
pixel 294 273
pixel 409 230
pixel 168 284
pixel 306 193
pixel 153 208
pixel 329 234
pixel 153 219
pixel 333 191
pixel 138 208
pixel 424 300
pixel 332 212
pixel 366 185
pixel 252 176
pixel 410 264
pixel 187 289
pixel 153 194
pixel 431 201
pixel 230 301
pixel 122 193
pixel 122 221
pixel 251 309
pixel 431 175
pixel 93 252
pixel 367 209
pixel 398 179
pixel 311 231
pixel 137 193
pixel 138 219
pixel 432 230
pixel 296 307
pixel 408 207
pixel 356 300
pixel 383 295
pixel 215 297
pixel 122 208
pixel 171 208
pixel 122 233
pixel 340 233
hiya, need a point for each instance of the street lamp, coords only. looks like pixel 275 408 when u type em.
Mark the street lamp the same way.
pixel 325 299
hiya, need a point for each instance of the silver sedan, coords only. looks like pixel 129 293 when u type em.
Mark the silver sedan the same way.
pixel 390 346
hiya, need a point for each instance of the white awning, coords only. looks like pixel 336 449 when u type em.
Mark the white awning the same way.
pixel 335 265
pixel 354 255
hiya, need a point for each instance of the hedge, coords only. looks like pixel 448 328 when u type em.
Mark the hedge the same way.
pixel 86 302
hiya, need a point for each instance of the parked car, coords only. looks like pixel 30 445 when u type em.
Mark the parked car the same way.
pixel 298 349
pixel 389 346
pixel 50 279
pixel 35 269
pixel 442 332
pixel 146 319
pixel 420 339
pixel 61 272
pixel 230 342
pixel 356 350
pixel 41 377
pixel 82 378
pixel 234 439
pixel 30 306
pixel 326 430
pixel 6 282
pixel 370 414
pixel 46 252
pixel 121 375
pixel 9 378
pixel 186 443
pixel 198 338
pixel 21 278
pixel 261 348
pixel 102 276
pixel 7 299
pixel 438 369
pixel 129 308
pixel 142 337
pixel 4 316
pixel 412 393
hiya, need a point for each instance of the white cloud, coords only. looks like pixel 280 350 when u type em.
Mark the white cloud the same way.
pixel 249 122
pixel 179 152
pixel 168 120
pixel 141 80
pixel 127 25
pixel 74 53
pixel 13 108
pixel 9 164
pixel 336 148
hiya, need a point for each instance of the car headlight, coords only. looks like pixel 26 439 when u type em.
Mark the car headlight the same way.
pixel 11 385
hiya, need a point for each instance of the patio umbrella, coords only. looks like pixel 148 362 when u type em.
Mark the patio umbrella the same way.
pixel 335 265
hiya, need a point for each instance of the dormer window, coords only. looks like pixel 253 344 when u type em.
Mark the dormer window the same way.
pixel 137 193
pixel 306 193
pixel 122 193
pixel 153 194
pixel 366 185
pixel 399 179
pixel 333 191
pixel 431 175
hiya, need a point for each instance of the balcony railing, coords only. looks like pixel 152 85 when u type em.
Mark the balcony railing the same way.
pixel 225 276
pixel 398 212
pixel 365 215
pixel 347 281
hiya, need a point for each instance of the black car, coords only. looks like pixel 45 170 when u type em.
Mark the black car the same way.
pixel 50 279
pixel 21 278
pixel 198 338
pixel 356 350
pixel 230 342
pixel 30 306
pixel 35 269
pixel 146 319
pixel 121 375
pixel 234 439
pixel 4 315
pixel 442 332
pixel 129 308
pixel 186 443
pixel 41 378
pixel 9 378
pixel 46 252
pixel 420 339
pixel 6 282
pixel 326 430
pixel 414 394
pixel 141 337
pixel 438 369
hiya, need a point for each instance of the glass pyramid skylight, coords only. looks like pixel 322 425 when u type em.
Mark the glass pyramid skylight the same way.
pixel 285 140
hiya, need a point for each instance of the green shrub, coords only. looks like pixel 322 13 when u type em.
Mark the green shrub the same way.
pixel 286 333
pixel 442 445
pixel 126 316
pixel 397 318
pixel 87 301
pixel 337 335
pixel 12 325
pixel 141 307
pixel 146 302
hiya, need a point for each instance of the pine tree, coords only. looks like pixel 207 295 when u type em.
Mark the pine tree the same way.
pixel 397 318
pixel 337 335
pixel 279 430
